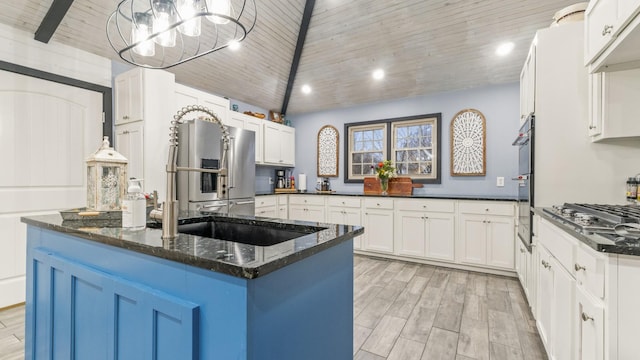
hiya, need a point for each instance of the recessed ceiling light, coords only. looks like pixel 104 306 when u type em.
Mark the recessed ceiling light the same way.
pixel 306 89
pixel 234 45
pixel 505 49
pixel 378 74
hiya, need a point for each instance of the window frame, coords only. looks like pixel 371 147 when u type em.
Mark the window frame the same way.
pixel 389 136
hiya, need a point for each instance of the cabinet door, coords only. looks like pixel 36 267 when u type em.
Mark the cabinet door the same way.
pixel 219 105
pixel 335 215
pixel 563 305
pixel 600 20
pixel 256 126
pixel 267 211
pixel 130 143
pixel 410 233
pixel 595 104
pixel 545 294
pixel 473 246
pixel 590 329
pixel 500 242
pixel 521 264
pixel 297 212
pixel 129 95
pixel 627 9
pixel 288 144
pixel 315 213
pixel 440 236
pixel 531 82
pixel 272 144
pixel 235 122
pixel 378 235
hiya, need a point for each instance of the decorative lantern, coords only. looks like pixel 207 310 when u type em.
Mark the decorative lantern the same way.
pixel 106 178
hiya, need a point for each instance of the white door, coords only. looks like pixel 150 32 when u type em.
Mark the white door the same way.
pixel 47 130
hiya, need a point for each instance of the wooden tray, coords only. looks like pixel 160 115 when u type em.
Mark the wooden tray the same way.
pixel 286 191
pixel 397 186
pixel 325 191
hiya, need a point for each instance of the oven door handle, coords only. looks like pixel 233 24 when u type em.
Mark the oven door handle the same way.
pixel 521 177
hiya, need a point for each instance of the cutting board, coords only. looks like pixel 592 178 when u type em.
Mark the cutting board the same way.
pixel 397 186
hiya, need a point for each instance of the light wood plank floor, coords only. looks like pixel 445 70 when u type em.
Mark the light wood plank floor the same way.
pixel 406 311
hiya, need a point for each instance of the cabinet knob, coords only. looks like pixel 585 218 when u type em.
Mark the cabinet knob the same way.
pixel 586 317
pixel 522 250
pixel 377 204
pixel 487 209
pixel 591 127
pixel 546 264
pixel 607 30
pixel 424 206
pixel 579 267
pixel 126 117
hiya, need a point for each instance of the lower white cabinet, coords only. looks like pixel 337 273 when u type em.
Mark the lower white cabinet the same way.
pixel 590 330
pixel 378 224
pixel 523 265
pixel 345 210
pixel 487 234
pixel 307 208
pixel 283 206
pixel 424 233
pixel 266 206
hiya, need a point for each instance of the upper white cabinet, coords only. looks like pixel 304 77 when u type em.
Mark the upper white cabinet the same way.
pixel 612 35
pixel 487 234
pixel 612 107
pixel 144 110
pixel 185 96
pixel 528 85
pixel 252 123
pixel 279 144
pixel 425 228
pixel 129 94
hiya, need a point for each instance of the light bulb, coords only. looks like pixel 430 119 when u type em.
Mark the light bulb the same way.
pixel 505 49
pixel 234 45
pixel 306 89
pixel 222 7
pixel 187 9
pixel 140 30
pixel 378 74
pixel 164 17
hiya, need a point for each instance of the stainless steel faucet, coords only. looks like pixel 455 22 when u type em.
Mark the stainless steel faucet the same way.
pixel 170 207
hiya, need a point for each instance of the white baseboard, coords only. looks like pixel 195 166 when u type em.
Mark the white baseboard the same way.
pixel 12 291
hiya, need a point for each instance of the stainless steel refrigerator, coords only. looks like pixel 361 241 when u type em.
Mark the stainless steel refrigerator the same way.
pixel 200 146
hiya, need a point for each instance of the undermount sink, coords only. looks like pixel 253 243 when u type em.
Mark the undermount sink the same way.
pixel 260 233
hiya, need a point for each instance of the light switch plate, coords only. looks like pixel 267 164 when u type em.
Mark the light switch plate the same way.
pixel 500 181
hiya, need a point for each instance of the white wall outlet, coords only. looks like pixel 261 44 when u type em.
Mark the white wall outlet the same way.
pixel 270 180
pixel 500 181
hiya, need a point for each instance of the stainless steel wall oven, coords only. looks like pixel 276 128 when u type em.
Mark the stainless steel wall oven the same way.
pixel 525 142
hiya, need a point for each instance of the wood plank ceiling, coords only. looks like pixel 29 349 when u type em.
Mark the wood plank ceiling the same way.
pixel 424 46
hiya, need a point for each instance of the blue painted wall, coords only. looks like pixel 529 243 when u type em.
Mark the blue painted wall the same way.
pixel 499 104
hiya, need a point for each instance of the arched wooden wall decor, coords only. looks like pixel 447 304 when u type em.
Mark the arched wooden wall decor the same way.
pixel 468 143
pixel 328 142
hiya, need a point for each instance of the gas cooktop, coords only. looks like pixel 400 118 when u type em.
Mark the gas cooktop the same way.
pixel 618 223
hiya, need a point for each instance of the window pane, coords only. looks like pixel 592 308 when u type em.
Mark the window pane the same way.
pixel 425 155
pixel 368 135
pixel 356 169
pixel 425 169
pixel 413 155
pixel 401 169
pixel 356 158
pixel 366 158
pixel 358 146
pixel 377 145
pixel 378 134
pixel 377 157
pixel 368 146
pixel 414 131
pixel 426 142
pixel 357 136
pixel 413 168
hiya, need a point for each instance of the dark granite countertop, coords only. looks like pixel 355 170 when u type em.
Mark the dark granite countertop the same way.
pixel 595 241
pixel 414 196
pixel 233 258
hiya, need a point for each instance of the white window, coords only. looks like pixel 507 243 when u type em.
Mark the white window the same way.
pixel 367 147
pixel 411 143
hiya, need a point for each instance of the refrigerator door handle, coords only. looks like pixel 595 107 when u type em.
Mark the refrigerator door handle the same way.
pixel 246 202
pixel 232 161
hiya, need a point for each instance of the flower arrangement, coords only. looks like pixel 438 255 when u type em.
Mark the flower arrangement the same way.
pixel 384 170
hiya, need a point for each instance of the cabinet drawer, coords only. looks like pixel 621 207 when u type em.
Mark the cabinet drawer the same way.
pixel 265 201
pixel 485 207
pixel 378 203
pixel 590 270
pixel 343 201
pixel 306 200
pixel 447 206
pixel 561 245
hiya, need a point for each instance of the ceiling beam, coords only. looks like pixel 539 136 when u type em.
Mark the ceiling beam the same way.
pixel 302 35
pixel 50 23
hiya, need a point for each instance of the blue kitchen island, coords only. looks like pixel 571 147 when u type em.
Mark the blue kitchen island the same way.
pixel 109 293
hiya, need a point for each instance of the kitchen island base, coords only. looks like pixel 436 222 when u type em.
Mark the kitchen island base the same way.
pixel 88 300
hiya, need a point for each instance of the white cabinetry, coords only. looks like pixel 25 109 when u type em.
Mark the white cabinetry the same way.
pixel 377 220
pixel 487 234
pixel 266 206
pixel 345 210
pixel 185 96
pixel 613 100
pixel 425 228
pixel 252 123
pixel 130 143
pixel 283 206
pixel 279 144
pixel 523 266
pixel 129 94
pixel 307 208
pixel 528 85
pixel 590 330
pixel 600 25
pixel 142 94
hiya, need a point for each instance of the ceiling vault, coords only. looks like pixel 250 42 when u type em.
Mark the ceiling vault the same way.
pixel 51 21
pixel 302 35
